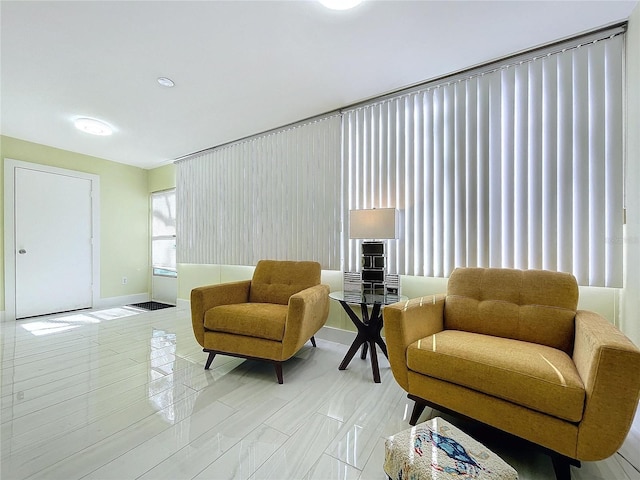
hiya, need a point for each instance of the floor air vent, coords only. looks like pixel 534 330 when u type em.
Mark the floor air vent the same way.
pixel 151 305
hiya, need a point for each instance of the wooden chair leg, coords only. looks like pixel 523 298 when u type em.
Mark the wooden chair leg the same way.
pixel 212 355
pixel 313 341
pixel 278 366
pixel 562 466
pixel 418 408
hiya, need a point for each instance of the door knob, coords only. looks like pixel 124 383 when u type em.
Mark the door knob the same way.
pixel 22 251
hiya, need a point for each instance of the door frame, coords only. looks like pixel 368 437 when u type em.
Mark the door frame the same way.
pixel 10 167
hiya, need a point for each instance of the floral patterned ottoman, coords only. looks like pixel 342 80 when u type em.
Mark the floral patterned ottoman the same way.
pixel 437 450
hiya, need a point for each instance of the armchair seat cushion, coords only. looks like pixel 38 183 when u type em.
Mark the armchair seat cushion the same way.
pixel 260 320
pixel 542 378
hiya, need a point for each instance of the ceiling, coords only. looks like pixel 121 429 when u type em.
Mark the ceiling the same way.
pixel 241 67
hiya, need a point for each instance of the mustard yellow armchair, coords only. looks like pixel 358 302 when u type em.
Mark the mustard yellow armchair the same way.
pixel 509 348
pixel 269 317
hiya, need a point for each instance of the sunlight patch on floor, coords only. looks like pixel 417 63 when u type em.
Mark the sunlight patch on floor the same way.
pixel 54 324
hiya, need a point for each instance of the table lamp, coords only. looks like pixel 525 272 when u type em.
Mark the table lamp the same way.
pixel 374 226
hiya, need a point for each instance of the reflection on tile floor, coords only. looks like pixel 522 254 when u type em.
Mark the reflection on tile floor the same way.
pixel 121 393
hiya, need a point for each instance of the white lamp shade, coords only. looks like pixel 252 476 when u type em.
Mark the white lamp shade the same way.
pixel 373 224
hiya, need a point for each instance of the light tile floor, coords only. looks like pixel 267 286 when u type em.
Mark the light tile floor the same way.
pixel 122 394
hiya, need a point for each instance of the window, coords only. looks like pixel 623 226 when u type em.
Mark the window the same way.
pixel 163 233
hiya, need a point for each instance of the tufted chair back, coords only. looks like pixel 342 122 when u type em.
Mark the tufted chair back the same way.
pixel 530 305
pixel 274 281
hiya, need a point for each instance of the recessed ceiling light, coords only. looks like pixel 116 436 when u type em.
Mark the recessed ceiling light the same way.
pixel 166 82
pixel 340 4
pixel 92 126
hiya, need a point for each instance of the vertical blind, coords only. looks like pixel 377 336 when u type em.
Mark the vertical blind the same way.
pixel 520 166
pixel 274 196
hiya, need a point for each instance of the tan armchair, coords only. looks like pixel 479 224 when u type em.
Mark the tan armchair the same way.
pixel 267 318
pixel 510 349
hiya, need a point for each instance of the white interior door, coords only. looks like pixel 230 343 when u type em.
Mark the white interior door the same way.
pixel 53 243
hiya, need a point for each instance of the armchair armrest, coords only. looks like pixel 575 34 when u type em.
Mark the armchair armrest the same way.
pixel 407 322
pixel 308 311
pixel 609 365
pixel 204 298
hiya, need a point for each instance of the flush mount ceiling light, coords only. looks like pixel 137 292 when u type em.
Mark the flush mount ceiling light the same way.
pixel 92 126
pixel 166 82
pixel 340 4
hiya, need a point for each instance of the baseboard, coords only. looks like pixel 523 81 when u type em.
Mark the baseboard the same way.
pixel 111 302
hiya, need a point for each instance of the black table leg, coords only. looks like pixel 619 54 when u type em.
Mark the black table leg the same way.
pixel 365 319
pixel 374 362
pixel 368 336
pixel 359 340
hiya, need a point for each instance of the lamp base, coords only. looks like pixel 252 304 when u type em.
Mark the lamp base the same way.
pixel 373 279
pixel 373 267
